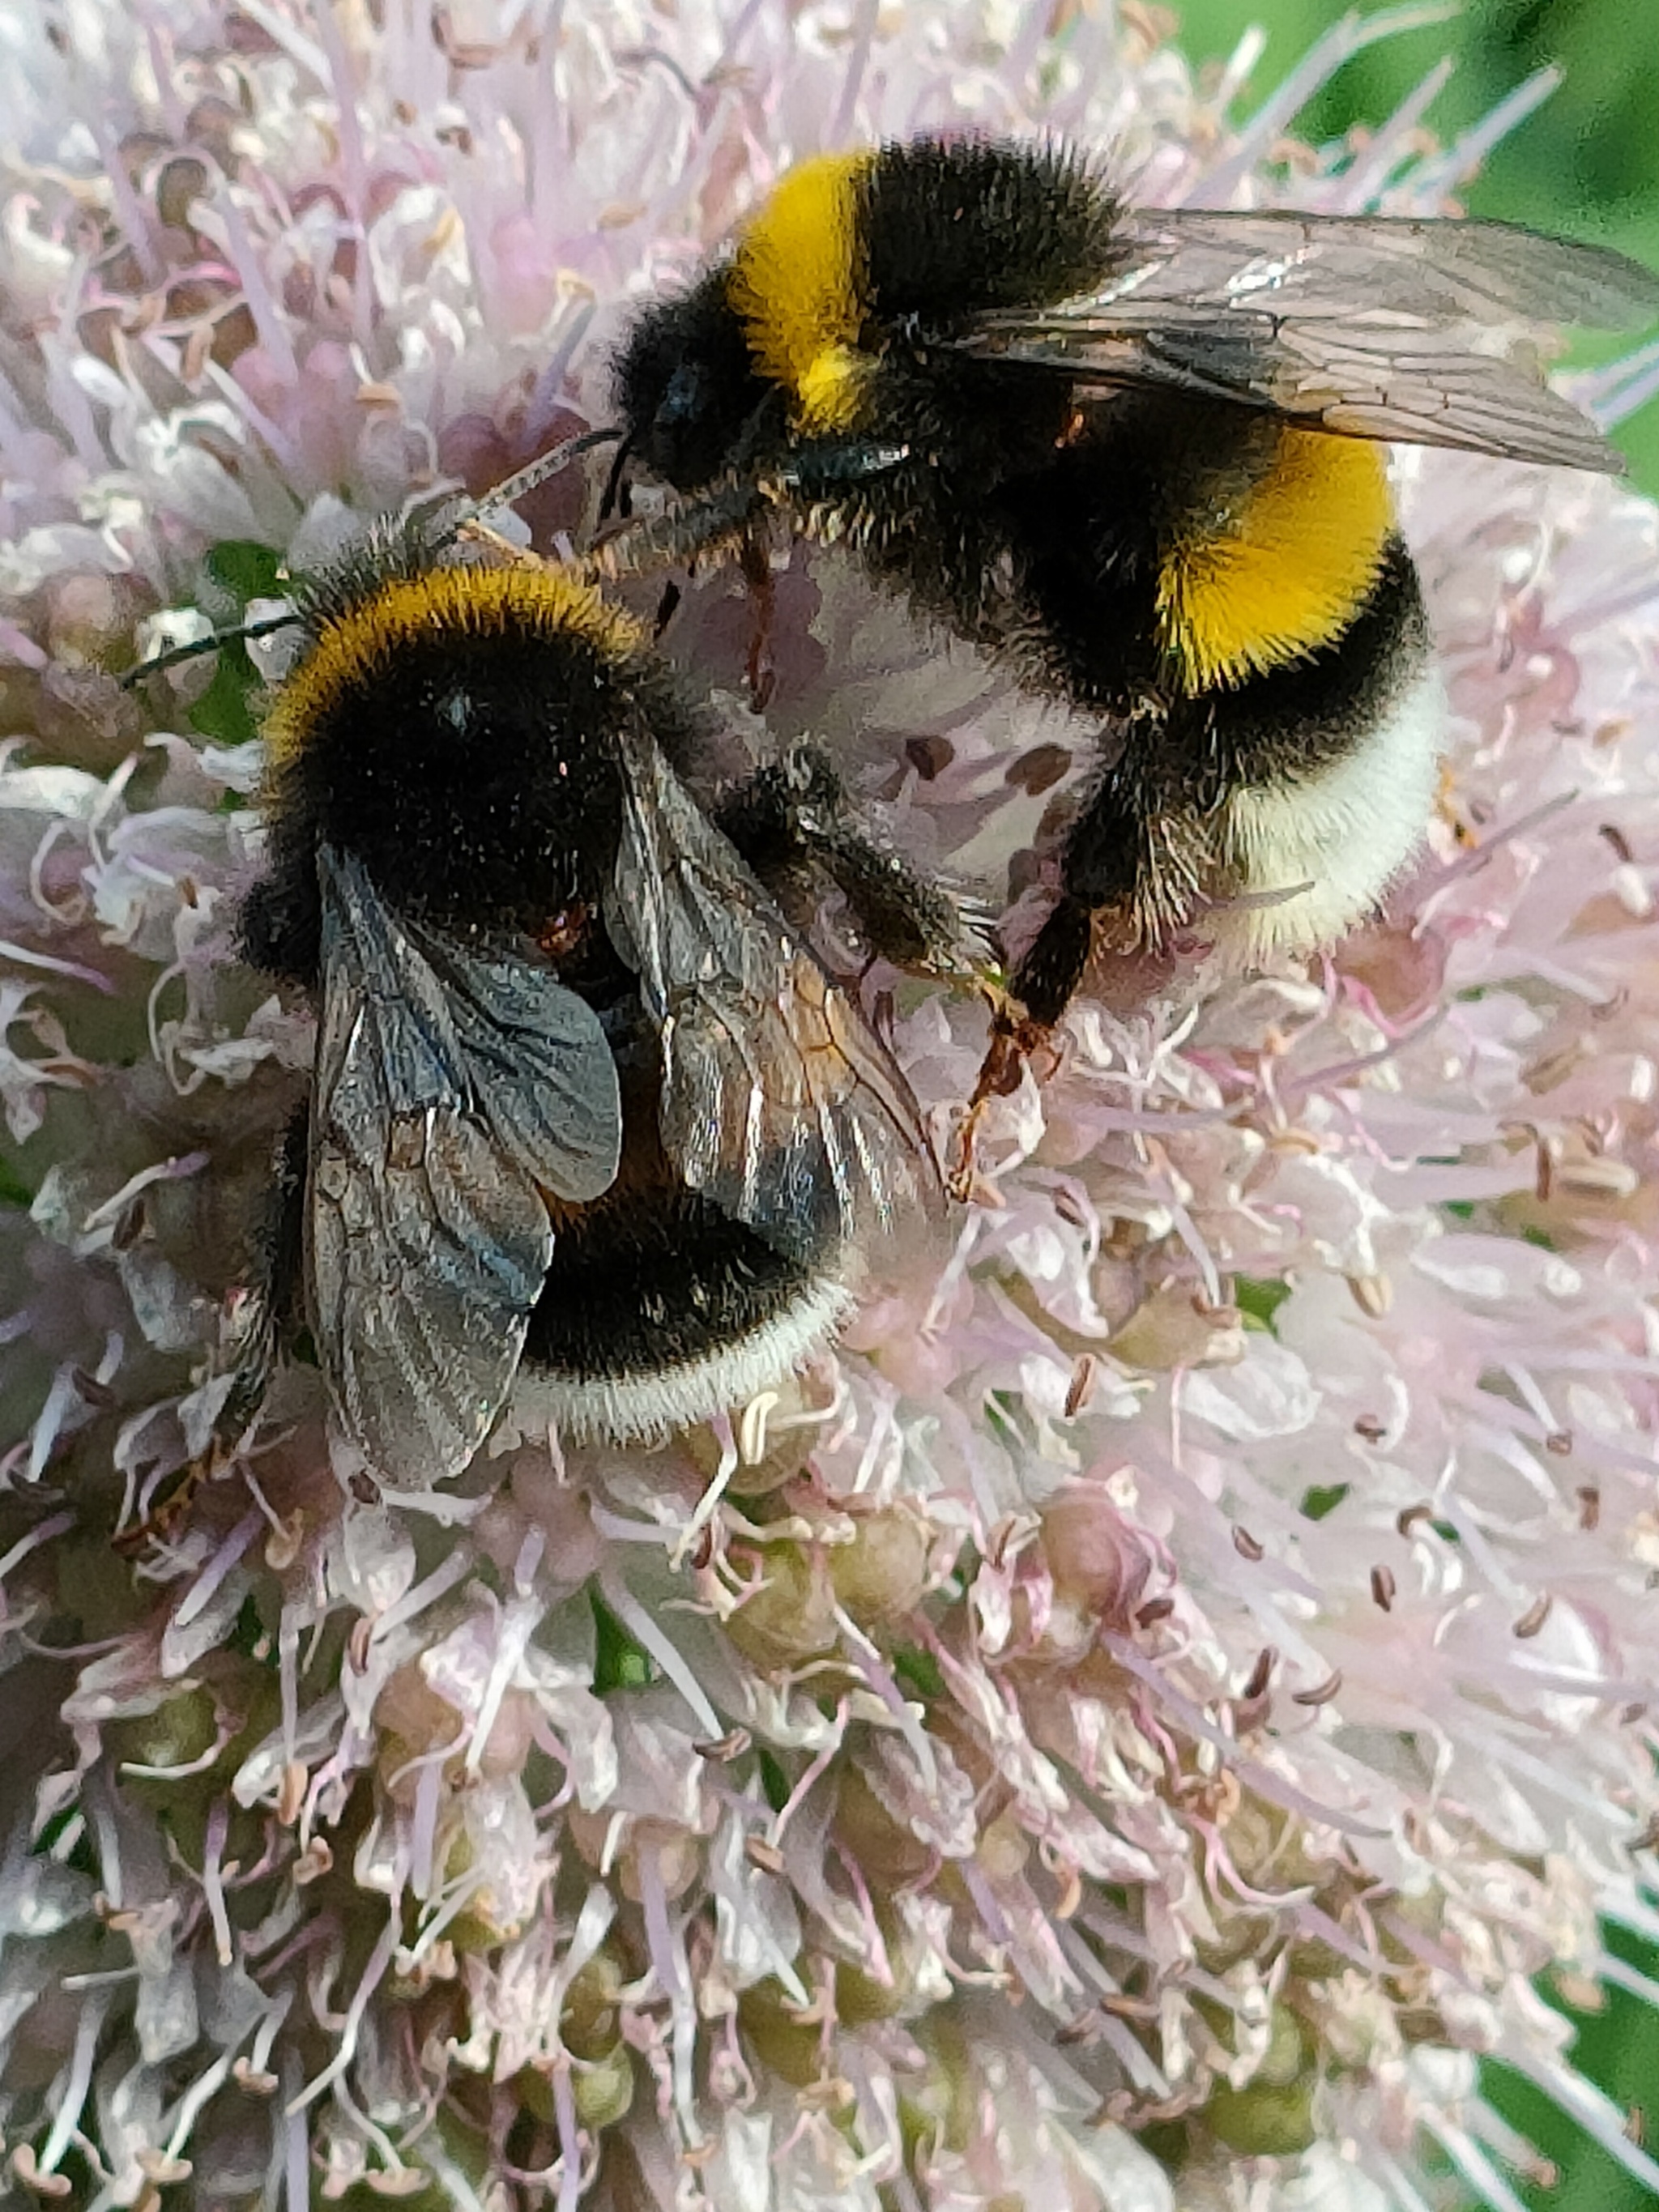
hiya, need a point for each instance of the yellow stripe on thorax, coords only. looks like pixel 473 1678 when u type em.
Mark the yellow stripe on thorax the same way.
pixel 352 647
pixel 797 285
pixel 1286 571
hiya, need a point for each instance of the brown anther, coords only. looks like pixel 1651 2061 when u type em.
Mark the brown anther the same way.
pixel 1370 1429
pixel 1636 2125
pixel 929 756
pixel 1582 1992
pixel 313 1862
pixel 1535 1616
pixel 283 1543
pixel 998 1540
pixel 1245 1545
pixel 1260 1676
pixel 1372 1294
pixel 1070 1210
pixel 1144 2011
pixel 1081 1389
pixel 91 1391
pixel 255 2079
pixel 165 2172
pixel 1590 1505
pixel 1382 1589
pixel 1329 1688
pixel 724 1749
pixel 1154 1610
pixel 1554 1067
pixel 767 1856
pixel 1038 770
pixel 291 1792
pixel 1558 1443
pixel 1407 1522
pixel 1071 1894
pixel 1622 850
pixel 54 2187
pixel 1543 1182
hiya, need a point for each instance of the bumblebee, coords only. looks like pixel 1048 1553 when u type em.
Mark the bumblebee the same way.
pixel 584 1102
pixel 1134 452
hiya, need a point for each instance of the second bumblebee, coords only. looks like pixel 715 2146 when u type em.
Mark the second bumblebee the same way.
pixel 1130 451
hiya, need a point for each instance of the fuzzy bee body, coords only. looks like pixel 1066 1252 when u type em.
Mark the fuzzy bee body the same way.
pixel 584 1104
pixel 1135 454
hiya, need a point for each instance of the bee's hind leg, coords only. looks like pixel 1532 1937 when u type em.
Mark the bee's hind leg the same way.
pixel 1130 875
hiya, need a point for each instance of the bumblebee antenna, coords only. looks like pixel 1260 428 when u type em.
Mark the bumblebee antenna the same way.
pixel 501 495
pixel 176 653
pixel 524 480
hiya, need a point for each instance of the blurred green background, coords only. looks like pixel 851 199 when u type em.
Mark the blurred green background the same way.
pixel 1585 163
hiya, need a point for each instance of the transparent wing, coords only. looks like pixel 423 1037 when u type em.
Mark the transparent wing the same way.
pixel 779 1104
pixel 451 1090
pixel 1374 327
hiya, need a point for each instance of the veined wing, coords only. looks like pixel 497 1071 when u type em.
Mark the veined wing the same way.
pixel 1380 327
pixel 453 1088
pixel 779 1104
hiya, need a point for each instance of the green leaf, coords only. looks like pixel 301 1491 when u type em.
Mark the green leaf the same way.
pixel 1259 1300
pixel 619 1663
pixel 772 1780
pixel 246 569
pixel 1324 1498
pixel 919 1671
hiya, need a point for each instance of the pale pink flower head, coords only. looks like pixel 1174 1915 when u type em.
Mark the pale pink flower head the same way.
pixel 1129 1728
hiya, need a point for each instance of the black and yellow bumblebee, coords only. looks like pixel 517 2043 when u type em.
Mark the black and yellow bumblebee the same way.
pixel 584 1102
pixel 1133 451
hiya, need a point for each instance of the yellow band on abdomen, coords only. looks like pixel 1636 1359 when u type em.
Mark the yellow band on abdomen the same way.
pixel 1286 571
pixel 797 283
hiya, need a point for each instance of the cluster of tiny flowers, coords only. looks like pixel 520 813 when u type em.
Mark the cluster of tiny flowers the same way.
pixel 1130 1728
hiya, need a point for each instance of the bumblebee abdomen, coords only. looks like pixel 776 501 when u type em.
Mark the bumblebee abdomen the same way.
pixel 1284 804
pixel 658 1311
pixel 1278 567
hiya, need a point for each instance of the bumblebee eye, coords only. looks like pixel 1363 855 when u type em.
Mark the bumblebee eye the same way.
pixel 692 431
pixel 684 399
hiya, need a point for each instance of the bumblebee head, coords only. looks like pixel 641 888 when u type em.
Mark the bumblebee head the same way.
pixel 687 388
